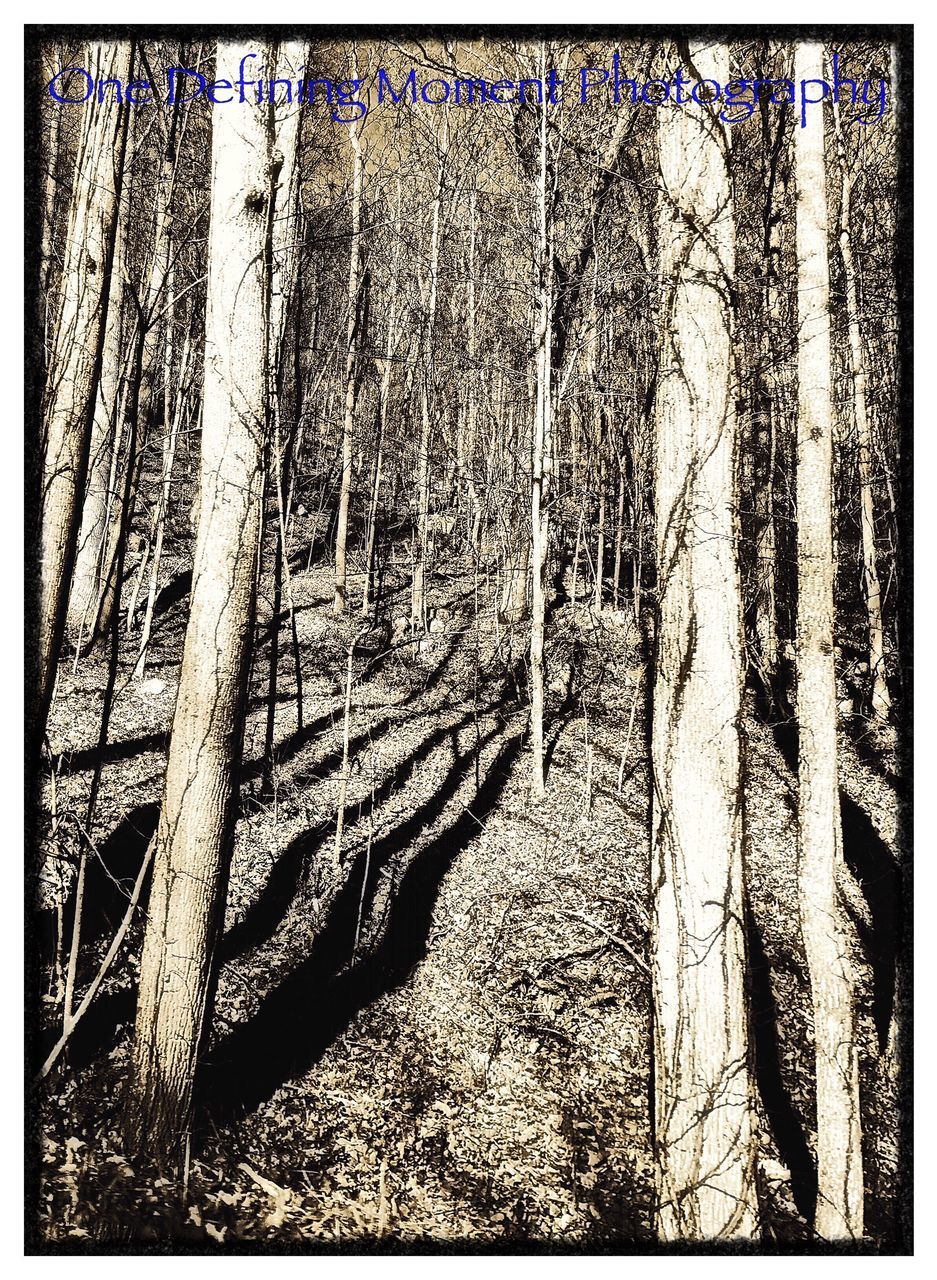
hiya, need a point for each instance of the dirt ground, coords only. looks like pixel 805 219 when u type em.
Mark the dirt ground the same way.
pixel 445 1037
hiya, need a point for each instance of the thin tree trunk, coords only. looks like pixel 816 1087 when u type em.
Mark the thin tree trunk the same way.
pixel 383 403
pixel 767 415
pixel 542 431
pixel 89 575
pixel 418 591
pixel 600 535
pixel 172 418
pixel 348 426
pixel 839 1137
pixel 619 534
pixel 881 701
pixel 71 386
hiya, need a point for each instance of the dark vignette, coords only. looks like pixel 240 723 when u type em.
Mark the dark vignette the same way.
pixel 902 35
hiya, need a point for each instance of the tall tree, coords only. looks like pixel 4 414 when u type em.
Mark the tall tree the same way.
pixel 193 840
pixel 75 363
pixel 93 564
pixel 351 349
pixel 859 369
pixel 767 400
pixel 702 1081
pixel 428 386
pixel 839 1137
pixel 541 438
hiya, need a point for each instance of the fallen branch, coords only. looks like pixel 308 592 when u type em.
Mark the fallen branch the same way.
pixel 613 937
pixel 106 963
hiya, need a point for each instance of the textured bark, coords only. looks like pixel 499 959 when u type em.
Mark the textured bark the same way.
pixel 858 363
pixel 200 800
pixel 540 461
pixel 767 409
pixel 382 408
pixel 91 558
pixel 50 66
pixel 75 364
pixel 703 1086
pixel 839 1138
pixel 418 588
pixel 348 427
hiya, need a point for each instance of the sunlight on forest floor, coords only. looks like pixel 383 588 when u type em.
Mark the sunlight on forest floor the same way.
pixel 448 1037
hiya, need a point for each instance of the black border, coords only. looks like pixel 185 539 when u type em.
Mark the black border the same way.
pixel 902 35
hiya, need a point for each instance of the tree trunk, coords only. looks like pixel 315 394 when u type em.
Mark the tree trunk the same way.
pixel 540 460
pixel 702 1077
pixel 51 65
pixel 90 572
pixel 418 589
pixel 600 534
pixel 200 802
pixel 348 426
pixel 75 364
pixel 839 1137
pixel 881 701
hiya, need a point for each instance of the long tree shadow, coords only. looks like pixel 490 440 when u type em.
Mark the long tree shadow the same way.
pixel 295 742
pixel 87 757
pixel 869 755
pixel 109 879
pixel 109 876
pixel 263 917
pixel 781 1113
pixel 317 1000
pixel 871 862
pixel 879 877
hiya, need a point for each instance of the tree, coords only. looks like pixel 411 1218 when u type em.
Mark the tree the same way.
pixel 193 839
pixel 351 349
pixel 839 1138
pixel 542 437
pixel 75 363
pixel 702 1081
pixel 858 367
pixel 93 564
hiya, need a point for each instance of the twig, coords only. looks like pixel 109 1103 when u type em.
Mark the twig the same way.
pixel 627 746
pixel 613 937
pixel 105 965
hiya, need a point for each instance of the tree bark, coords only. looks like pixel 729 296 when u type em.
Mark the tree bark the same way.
pixel 540 460
pixel 348 426
pixel 91 559
pixel 75 365
pixel 881 701
pixel 200 801
pixel 839 1138
pixel 702 1075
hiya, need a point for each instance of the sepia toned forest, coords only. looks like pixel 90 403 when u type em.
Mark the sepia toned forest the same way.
pixel 470 681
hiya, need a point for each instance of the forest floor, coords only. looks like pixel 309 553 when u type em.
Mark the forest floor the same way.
pixel 446 1037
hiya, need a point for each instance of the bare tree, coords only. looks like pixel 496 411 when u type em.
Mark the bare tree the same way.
pixel 353 337
pixel 702 1083
pixel 858 365
pixel 193 839
pixel 541 439
pixel 75 363
pixel 839 1136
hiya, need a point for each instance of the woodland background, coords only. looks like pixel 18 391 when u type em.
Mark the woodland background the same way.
pixel 471 615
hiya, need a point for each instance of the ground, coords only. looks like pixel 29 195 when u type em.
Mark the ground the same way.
pixel 443 1036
